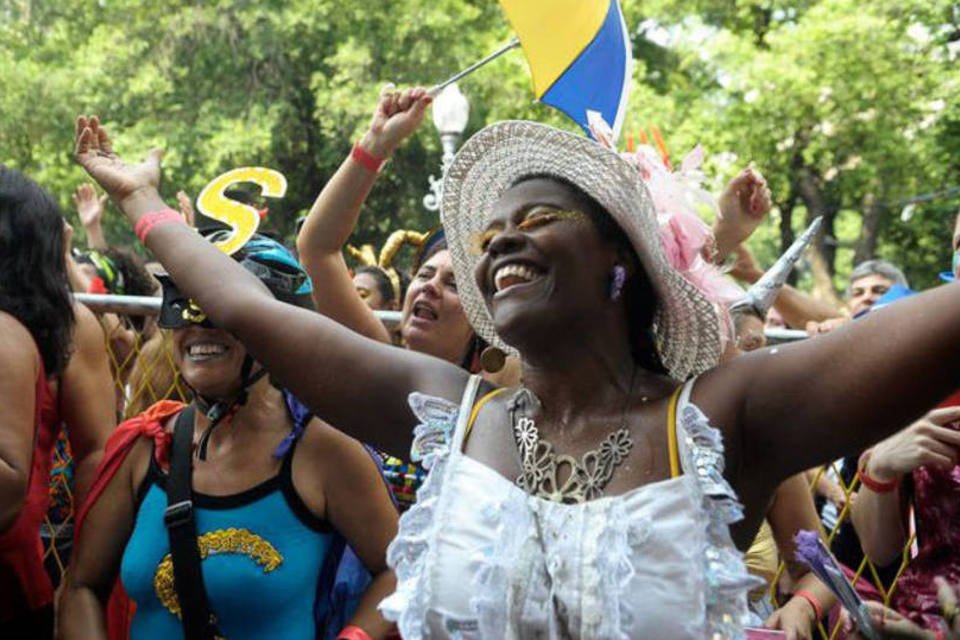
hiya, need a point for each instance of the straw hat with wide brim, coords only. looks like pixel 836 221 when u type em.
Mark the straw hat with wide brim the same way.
pixel 686 327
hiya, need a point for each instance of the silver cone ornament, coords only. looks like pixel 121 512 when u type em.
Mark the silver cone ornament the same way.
pixel 761 296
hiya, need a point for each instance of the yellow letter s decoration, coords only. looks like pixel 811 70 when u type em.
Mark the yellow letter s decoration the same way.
pixel 242 218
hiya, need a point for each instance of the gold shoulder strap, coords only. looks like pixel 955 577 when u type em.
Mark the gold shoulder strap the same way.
pixel 672 432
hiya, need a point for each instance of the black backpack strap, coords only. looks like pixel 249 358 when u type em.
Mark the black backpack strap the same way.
pixel 195 615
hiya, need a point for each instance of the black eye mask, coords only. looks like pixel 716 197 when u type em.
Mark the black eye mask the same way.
pixel 177 310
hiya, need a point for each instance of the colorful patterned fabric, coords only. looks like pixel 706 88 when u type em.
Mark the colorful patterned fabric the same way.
pixel 403 478
pixel 62 469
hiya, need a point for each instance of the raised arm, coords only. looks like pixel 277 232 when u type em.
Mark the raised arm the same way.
pixel 17 420
pixel 357 384
pixel 334 214
pixel 90 210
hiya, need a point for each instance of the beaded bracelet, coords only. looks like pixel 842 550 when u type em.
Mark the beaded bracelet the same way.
pixel 147 222
pixel 877 486
pixel 367 159
pixel 812 599
pixel 353 632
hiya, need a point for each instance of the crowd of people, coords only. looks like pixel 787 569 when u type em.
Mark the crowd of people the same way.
pixel 576 430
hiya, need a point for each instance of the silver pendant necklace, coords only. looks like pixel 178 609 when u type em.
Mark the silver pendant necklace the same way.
pixel 541 466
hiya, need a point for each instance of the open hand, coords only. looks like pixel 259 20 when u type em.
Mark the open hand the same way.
pixel 89 206
pixel 94 151
pixel 890 624
pixel 925 442
pixel 397 116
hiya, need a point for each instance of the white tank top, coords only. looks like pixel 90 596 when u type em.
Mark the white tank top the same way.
pixel 478 557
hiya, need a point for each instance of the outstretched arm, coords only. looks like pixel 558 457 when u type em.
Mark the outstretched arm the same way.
pixel 798 405
pixel 355 383
pixel 334 215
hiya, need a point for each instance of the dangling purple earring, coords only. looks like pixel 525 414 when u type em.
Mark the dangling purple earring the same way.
pixel 617 282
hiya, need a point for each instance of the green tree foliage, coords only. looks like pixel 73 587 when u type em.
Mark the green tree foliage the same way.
pixel 851 109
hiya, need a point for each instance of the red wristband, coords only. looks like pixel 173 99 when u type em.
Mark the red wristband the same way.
pixel 877 486
pixel 147 222
pixel 812 599
pixel 353 632
pixel 367 159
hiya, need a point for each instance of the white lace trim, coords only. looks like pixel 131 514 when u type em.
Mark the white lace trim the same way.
pixel 727 579
pixel 407 553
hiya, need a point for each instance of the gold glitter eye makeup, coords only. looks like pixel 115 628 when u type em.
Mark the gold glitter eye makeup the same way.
pixel 481 240
pixel 539 217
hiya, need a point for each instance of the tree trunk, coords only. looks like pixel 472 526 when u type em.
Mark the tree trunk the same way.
pixel 869 231
pixel 810 191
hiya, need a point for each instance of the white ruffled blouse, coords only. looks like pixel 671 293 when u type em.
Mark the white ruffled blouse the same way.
pixel 478 557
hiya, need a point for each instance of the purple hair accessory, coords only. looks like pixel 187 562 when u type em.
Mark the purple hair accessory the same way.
pixel 619 279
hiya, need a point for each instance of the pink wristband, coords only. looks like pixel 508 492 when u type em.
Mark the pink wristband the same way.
pixel 812 599
pixel 353 632
pixel 367 159
pixel 147 222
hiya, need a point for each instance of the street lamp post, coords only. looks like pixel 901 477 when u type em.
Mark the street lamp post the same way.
pixel 451 111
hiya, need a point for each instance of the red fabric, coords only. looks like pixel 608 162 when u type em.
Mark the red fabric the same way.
pixel 148 424
pixel 23 580
pixel 97 286
pixel 936 506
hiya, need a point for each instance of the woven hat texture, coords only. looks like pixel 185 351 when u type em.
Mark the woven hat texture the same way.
pixel 686 328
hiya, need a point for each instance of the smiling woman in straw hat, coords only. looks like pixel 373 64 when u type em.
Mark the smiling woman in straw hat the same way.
pixel 593 500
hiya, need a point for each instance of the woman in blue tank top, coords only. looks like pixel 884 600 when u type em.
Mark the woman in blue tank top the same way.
pixel 275 494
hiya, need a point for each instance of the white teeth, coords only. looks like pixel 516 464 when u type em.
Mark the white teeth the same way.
pixel 206 349
pixel 516 273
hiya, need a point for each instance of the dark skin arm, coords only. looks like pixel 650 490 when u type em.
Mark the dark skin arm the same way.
pixel 96 558
pixel 87 398
pixel 343 366
pixel 354 499
pixel 793 406
pixel 17 420
pixel 870 377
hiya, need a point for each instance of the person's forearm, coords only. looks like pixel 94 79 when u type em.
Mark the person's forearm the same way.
pixel 878 521
pixel 366 616
pixel 95 238
pixel 798 308
pixel 334 214
pixel 809 582
pixel 80 614
pixel 84 473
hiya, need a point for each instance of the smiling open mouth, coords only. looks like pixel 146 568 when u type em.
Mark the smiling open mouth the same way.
pixel 424 311
pixel 513 274
pixel 205 350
